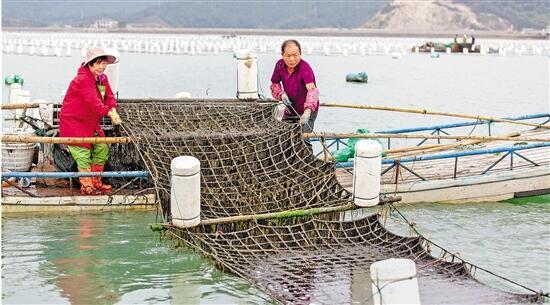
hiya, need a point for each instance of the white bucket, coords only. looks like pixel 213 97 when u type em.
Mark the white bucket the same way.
pixel 112 71
pixel 279 112
pixel 17 157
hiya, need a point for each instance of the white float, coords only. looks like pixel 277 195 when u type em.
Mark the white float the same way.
pixel 366 173
pixel 183 94
pixel 247 74
pixel 396 55
pixel 185 193
pixel 394 282
pixel 112 70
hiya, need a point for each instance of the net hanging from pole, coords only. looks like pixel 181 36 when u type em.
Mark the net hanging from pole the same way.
pixel 253 164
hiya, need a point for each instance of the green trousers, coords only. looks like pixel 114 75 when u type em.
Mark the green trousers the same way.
pixel 84 157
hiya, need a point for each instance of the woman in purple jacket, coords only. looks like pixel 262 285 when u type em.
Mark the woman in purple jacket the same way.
pixel 298 91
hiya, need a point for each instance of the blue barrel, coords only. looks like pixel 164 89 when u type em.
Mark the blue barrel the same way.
pixel 359 77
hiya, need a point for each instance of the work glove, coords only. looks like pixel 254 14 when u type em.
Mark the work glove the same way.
pixel 286 101
pixel 115 118
pixel 305 117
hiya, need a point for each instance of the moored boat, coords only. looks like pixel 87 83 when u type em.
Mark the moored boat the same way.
pixel 475 172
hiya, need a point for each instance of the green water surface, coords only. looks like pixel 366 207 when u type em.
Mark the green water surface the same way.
pixel 107 258
pixel 114 258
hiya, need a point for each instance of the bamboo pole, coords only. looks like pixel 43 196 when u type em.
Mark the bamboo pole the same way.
pixel 424 111
pixel 296 213
pixel 328 135
pixel 430 149
pixel 51 140
pixel 413 148
pixel 437 147
pixel 7 106
pixel 284 214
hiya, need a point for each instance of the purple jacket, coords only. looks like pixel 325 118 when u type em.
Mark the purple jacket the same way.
pixel 295 84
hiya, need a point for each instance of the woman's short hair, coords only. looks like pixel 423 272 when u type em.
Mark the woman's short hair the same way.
pixel 97 59
pixel 293 41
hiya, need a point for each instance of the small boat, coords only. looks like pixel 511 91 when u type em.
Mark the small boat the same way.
pixel 466 46
pixel 491 171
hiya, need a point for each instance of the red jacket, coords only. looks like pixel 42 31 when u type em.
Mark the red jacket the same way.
pixel 83 106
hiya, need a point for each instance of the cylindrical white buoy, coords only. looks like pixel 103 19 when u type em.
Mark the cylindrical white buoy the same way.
pixel 185 193
pixel 394 282
pixel 112 70
pixel 366 173
pixel 247 74
pixel 43 51
pixel 396 55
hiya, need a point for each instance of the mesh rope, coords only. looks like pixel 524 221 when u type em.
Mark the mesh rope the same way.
pixel 253 164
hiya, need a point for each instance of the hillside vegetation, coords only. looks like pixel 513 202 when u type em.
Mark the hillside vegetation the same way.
pixel 285 14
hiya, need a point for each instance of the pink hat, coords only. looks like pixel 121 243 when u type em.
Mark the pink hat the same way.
pixel 95 52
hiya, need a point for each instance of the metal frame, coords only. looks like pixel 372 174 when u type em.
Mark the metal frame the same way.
pixel 437 129
pixel 511 150
pixel 511 154
pixel 125 174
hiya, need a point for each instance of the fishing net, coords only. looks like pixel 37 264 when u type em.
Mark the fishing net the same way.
pixel 253 164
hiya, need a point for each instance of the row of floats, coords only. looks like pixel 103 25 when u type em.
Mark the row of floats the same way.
pixel 64 44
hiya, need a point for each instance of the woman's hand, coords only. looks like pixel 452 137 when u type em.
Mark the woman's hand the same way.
pixel 286 100
pixel 115 118
pixel 305 117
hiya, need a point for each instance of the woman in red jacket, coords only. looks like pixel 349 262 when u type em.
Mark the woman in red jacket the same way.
pixel 88 98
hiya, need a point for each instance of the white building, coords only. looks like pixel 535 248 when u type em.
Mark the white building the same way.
pixel 104 24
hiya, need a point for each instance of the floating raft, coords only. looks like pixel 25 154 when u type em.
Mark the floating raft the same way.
pixel 252 164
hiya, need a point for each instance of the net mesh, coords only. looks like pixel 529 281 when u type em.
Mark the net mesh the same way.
pixel 253 164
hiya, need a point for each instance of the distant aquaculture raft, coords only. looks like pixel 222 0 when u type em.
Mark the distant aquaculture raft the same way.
pixel 253 164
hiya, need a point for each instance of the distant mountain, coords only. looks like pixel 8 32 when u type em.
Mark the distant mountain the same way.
pixel 208 13
pixel 434 15
pixel 287 14
pixel 60 13
pixel 459 15
pixel 267 14
pixel 534 14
